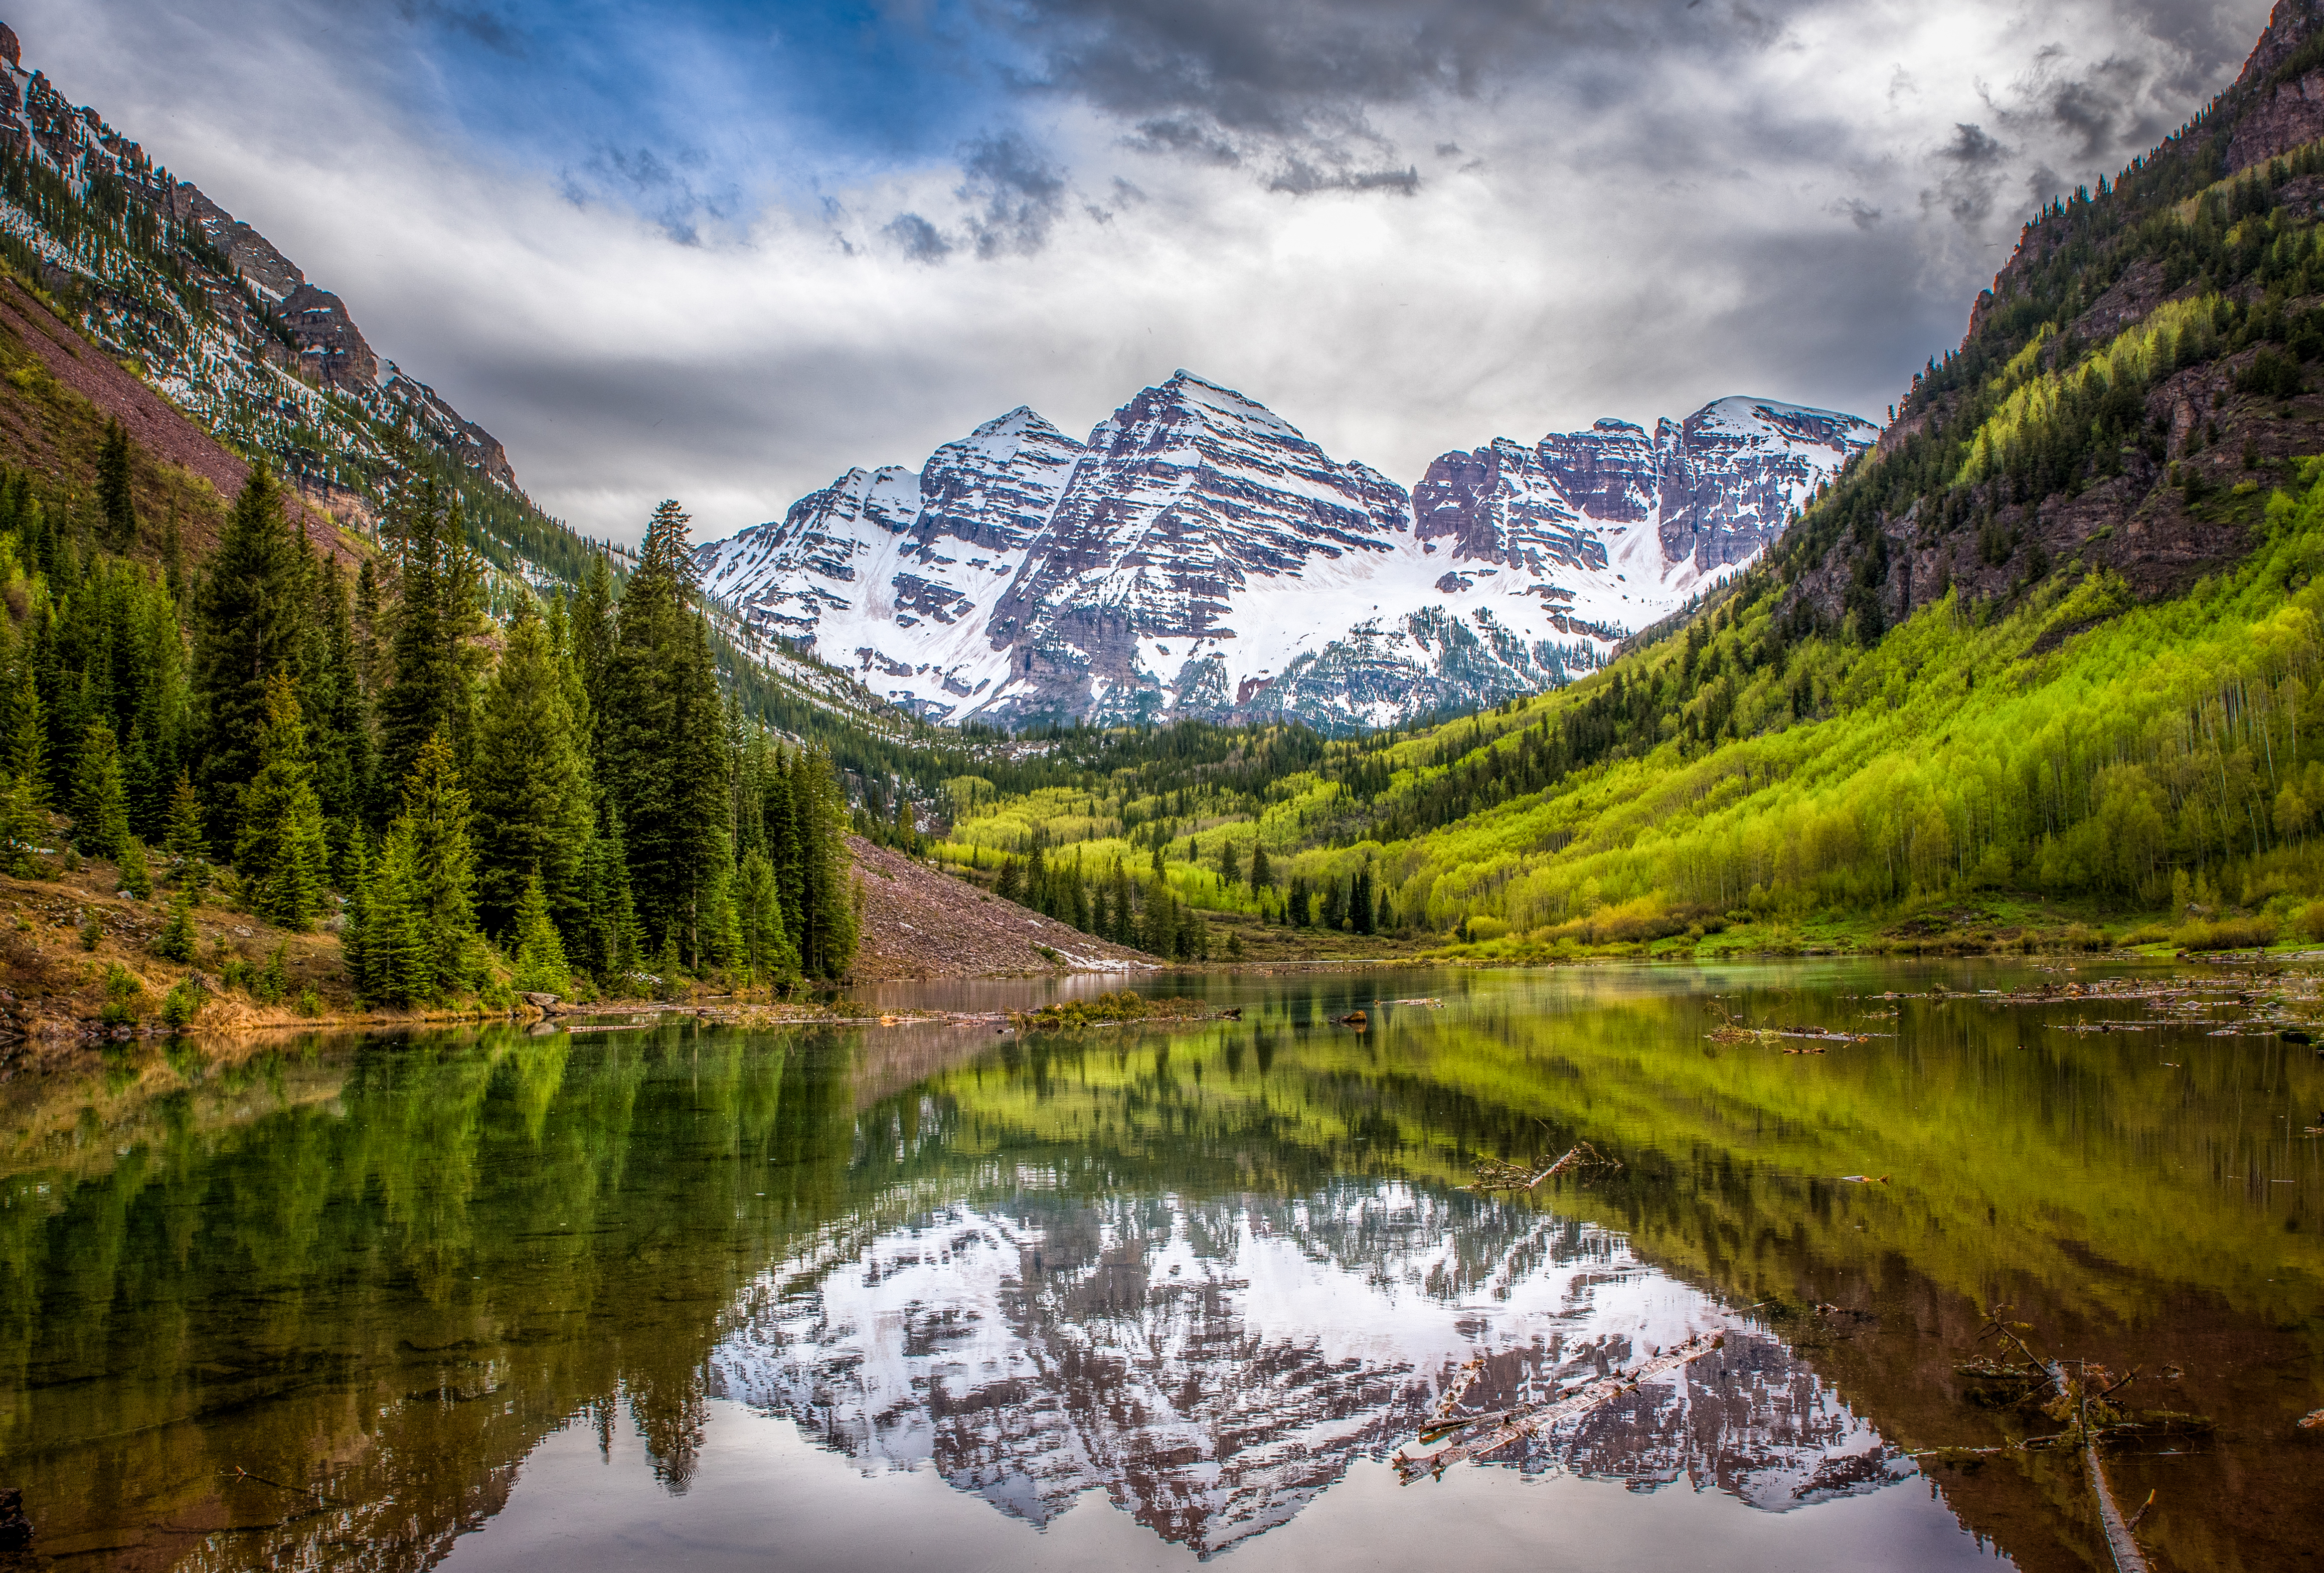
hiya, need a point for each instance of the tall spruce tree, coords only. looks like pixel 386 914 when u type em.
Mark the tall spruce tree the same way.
pixel 247 621
pixel 660 737
pixel 541 965
pixel 282 855
pixel 420 700
pixel 530 785
pixel 435 863
pixel 183 842
pixel 826 934
pixel 100 795
pixel 398 957
pixel 767 950
pixel 337 711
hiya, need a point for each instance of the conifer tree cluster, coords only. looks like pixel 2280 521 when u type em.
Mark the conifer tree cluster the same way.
pixel 1142 913
pixel 569 793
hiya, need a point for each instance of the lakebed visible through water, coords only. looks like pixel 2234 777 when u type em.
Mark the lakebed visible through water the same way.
pixel 930 1295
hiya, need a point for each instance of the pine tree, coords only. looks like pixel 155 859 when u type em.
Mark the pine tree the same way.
pixel 115 499
pixel 420 700
pixel 136 873
pixel 767 950
pixel 100 795
pixel 826 914
pixel 530 783
pixel 1262 877
pixel 23 826
pixel 354 934
pixel 611 937
pixel 540 964
pixel 282 855
pixel 659 730
pixel 1159 936
pixel 433 833
pixel 1125 921
pixel 246 630
pixel 593 642
pixel 188 850
pixel 176 941
pixel 339 722
pixel 1360 901
pixel 398 967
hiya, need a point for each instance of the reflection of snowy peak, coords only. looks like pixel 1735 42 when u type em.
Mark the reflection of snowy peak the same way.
pixel 1212 1366
pixel 1199 556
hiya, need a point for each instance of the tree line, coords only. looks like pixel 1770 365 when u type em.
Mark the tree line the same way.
pixel 568 792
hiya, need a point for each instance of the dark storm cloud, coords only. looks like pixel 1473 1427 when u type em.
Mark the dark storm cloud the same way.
pixel 1014 193
pixel 920 240
pixel 1293 90
pixel 1303 178
pixel 1973 169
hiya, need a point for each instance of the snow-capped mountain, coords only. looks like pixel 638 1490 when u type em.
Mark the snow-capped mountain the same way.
pixel 1214 1365
pixel 1199 556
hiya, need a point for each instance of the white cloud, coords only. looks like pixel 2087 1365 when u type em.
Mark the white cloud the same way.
pixel 1791 213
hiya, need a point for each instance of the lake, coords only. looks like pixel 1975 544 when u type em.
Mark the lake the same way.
pixel 929 1295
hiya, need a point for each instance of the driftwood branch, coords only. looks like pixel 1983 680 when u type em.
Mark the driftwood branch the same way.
pixel 1497 1174
pixel 1514 1425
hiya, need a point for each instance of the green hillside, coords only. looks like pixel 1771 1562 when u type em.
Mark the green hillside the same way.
pixel 2112 760
pixel 2037 669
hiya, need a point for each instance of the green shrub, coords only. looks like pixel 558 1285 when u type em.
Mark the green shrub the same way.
pixel 181 1005
pixel 1481 930
pixel 2226 934
pixel 92 929
pixel 125 999
pixel 274 982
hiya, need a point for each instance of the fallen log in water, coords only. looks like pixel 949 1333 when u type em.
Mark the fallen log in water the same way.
pixel 1515 1425
pixel 1498 1174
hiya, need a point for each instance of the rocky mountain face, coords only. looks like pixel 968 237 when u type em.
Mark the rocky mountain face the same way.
pixel 205 308
pixel 2000 471
pixel 1166 1355
pixel 1198 556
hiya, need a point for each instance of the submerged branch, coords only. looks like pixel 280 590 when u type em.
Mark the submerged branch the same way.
pixel 1515 1425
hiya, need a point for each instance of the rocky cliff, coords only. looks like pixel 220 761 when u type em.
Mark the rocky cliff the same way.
pixel 204 307
pixel 1198 555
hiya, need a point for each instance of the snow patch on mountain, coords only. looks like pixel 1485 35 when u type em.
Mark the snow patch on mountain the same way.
pixel 1199 556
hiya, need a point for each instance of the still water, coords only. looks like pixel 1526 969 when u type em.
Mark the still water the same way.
pixel 931 1296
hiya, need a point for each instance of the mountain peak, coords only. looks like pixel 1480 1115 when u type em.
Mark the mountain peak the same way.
pixel 1200 556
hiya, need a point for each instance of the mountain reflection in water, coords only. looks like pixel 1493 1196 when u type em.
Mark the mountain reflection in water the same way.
pixel 1211 1365
pixel 865 1298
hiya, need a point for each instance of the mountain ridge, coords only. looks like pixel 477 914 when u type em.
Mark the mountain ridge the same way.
pixel 1198 556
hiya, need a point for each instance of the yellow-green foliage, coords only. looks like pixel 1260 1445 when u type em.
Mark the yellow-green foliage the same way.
pixel 2136 355
pixel 2176 739
pixel 2082 746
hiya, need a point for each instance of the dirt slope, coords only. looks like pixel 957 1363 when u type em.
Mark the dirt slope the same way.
pixel 920 923
pixel 157 425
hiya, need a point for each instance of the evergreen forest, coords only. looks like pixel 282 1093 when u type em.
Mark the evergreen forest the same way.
pixel 559 798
